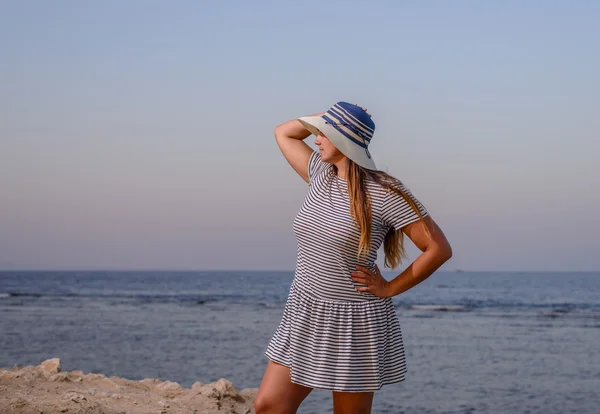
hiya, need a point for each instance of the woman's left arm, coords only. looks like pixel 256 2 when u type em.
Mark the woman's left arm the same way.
pixel 435 252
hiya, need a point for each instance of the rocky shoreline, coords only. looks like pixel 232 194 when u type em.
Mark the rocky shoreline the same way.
pixel 45 389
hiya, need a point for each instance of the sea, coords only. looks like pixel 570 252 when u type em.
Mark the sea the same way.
pixel 475 342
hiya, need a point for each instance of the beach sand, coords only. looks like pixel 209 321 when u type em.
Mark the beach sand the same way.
pixel 46 389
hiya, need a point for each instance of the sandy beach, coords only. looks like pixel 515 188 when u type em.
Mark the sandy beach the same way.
pixel 46 389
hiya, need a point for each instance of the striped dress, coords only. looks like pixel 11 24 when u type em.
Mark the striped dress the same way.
pixel 332 336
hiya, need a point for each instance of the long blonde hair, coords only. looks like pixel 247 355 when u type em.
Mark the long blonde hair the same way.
pixel 360 210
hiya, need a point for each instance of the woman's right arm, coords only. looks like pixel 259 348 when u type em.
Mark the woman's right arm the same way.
pixel 290 137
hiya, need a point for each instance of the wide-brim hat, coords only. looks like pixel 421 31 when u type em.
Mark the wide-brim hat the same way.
pixel 348 127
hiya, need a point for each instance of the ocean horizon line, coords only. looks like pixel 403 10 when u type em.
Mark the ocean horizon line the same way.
pixel 190 270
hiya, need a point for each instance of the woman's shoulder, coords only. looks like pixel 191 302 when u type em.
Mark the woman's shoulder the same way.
pixel 316 165
pixel 388 190
pixel 380 186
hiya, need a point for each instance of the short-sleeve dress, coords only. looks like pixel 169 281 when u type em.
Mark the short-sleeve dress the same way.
pixel 332 336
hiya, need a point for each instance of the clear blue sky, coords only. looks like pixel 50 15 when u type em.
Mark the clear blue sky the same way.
pixel 139 134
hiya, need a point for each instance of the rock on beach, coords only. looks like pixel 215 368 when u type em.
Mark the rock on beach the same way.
pixel 46 389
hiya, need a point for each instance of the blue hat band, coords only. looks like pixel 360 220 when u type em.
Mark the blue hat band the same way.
pixel 344 130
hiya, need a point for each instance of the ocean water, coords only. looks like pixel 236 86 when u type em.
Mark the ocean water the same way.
pixel 475 342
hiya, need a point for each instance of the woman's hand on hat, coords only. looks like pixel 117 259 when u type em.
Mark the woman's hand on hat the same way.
pixel 364 109
pixel 376 283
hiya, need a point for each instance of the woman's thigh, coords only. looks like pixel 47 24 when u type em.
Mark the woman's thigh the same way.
pixel 352 402
pixel 277 394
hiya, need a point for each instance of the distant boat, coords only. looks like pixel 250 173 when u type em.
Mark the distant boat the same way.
pixel 459 271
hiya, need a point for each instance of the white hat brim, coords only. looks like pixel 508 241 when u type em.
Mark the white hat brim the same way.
pixel 351 150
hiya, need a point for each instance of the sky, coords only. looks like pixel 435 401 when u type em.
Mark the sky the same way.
pixel 139 134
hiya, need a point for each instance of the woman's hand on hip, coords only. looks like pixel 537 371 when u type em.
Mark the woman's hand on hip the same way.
pixel 376 284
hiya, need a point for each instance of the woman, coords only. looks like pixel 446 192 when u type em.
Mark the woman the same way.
pixel 339 329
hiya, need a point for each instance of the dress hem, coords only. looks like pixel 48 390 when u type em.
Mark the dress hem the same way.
pixel 320 387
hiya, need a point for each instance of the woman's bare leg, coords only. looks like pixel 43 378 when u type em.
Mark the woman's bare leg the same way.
pixel 277 394
pixel 352 402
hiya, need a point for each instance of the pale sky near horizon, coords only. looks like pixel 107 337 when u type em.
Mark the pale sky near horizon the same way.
pixel 139 134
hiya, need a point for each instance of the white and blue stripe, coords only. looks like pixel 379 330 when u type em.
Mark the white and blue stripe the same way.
pixel 352 122
pixel 332 336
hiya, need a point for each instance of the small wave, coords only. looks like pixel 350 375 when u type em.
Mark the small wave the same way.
pixel 438 307
pixel 24 295
pixel 195 299
pixel 560 313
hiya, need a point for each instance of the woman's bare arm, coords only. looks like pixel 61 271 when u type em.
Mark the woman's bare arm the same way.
pixel 290 137
pixel 436 251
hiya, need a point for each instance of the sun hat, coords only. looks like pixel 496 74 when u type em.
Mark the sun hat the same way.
pixel 348 127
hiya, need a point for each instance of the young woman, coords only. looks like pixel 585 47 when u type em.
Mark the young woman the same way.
pixel 339 329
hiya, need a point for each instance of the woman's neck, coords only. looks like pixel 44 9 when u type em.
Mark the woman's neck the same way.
pixel 341 166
